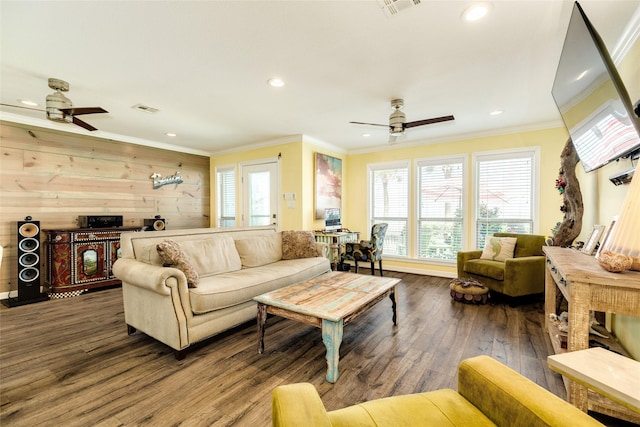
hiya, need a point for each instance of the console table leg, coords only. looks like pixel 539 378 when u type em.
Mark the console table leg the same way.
pixel 262 319
pixel 332 338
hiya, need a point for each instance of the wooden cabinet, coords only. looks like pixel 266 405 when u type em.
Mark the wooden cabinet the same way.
pixel 586 286
pixel 80 259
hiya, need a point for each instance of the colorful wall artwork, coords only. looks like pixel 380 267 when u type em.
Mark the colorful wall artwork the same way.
pixel 328 183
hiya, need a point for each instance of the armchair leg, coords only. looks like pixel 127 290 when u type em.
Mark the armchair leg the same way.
pixel 373 268
pixel 380 264
pixel 356 261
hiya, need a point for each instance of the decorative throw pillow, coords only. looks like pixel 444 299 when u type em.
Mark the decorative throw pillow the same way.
pixel 298 244
pixel 173 256
pixel 499 248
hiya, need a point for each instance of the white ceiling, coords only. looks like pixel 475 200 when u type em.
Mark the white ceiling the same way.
pixel 205 64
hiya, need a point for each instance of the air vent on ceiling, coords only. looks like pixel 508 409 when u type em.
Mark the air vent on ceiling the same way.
pixel 145 108
pixel 392 7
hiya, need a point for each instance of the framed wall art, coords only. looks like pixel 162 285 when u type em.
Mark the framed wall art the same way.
pixel 607 236
pixel 328 184
pixel 590 246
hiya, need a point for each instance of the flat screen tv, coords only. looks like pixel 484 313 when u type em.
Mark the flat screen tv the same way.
pixel 592 99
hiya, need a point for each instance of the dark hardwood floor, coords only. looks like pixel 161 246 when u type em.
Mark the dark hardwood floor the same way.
pixel 70 362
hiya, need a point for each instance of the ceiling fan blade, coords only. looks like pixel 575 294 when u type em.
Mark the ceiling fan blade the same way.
pixel 428 121
pixel 77 121
pixel 83 110
pixel 368 124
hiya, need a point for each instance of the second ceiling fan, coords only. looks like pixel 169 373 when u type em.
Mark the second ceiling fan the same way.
pixel 398 124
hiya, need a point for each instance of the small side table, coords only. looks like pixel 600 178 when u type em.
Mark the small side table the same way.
pixel 605 372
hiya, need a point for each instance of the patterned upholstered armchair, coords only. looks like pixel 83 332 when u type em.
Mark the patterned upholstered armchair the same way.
pixel 368 250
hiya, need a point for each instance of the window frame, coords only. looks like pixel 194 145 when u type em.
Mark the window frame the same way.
pixel 462 159
pixel 220 196
pixel 525 152
pixel 371 169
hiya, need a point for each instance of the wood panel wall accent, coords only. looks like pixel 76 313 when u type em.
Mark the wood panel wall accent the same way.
pixel 55 176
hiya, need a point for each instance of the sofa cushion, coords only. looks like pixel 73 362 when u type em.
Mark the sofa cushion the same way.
pixel 229 289
pixel 298 244
pixel 213 255
pixel 260 250
pixel 485 268
pixel 527 245
pixel 172 255
pixel 498 248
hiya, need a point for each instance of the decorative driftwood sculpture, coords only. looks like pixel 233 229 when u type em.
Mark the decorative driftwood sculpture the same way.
pixel 573 209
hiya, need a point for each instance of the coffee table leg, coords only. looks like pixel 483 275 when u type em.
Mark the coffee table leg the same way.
pixel 332 338
pixel 392 296
pixel 262 319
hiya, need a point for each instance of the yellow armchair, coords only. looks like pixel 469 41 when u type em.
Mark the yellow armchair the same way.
pixel 489 394
pixel 519 276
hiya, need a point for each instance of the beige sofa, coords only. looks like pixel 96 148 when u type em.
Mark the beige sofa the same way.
pixel 234 265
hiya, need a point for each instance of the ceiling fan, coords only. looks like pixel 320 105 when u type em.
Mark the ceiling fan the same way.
pixel 398 124
pixel 59 108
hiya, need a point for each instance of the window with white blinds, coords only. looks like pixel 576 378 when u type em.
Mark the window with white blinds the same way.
pixel 389 196
pixel 504 193
pixel 441 207
pixel 226 196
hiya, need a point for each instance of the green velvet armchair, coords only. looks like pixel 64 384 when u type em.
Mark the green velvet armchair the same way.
pixel 489 394
pixel 518 276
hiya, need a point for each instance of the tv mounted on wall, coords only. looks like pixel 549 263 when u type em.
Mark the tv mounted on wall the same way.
pixel 592 99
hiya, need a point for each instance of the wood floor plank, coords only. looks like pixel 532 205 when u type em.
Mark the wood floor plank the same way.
pixel 70 361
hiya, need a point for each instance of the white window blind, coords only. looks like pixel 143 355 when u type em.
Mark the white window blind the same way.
pixel 504 196
pixel 226 196
pixel 389 196
pixel 440 208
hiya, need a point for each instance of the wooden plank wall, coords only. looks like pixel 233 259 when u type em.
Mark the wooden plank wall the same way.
pixel 56 176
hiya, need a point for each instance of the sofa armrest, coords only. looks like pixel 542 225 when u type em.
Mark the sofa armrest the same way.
pixel 323 249
pixel 464 256
pixel 151 277
pixel 298 405
pixel 510 399
pixel 526 274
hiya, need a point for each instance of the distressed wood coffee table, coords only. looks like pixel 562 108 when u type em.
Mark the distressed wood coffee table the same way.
pixel 329 302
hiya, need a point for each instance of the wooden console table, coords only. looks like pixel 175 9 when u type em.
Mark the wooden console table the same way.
pixel 586 286
pixel 335 240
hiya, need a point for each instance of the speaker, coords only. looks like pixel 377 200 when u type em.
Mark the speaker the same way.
pixel 155 224
pixel 29 261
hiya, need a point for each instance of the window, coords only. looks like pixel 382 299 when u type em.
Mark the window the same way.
pixel 389 197
pixel 226 196
pixel 504 193
pixel 440 208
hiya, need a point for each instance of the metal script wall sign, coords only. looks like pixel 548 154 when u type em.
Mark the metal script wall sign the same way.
pixel 159 181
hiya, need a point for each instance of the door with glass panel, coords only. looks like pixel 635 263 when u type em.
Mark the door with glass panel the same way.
pixel 260 194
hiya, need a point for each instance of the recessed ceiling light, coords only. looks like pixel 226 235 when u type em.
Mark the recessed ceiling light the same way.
pixel 171 134
pixel 496 112
pixel 275 82
pixel 28 102
pixel 476 11
pixel 366 135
